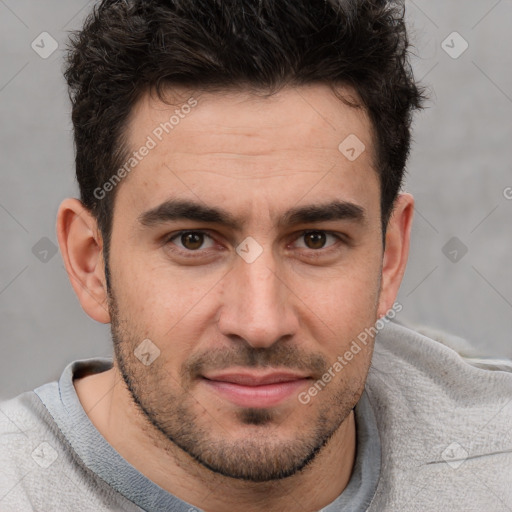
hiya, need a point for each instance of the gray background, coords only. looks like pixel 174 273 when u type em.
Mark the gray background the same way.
pixel 459 172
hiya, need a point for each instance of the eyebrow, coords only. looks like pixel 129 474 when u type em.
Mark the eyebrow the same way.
pixel 179 209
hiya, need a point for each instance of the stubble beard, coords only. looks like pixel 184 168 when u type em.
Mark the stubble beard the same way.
pixel 261 455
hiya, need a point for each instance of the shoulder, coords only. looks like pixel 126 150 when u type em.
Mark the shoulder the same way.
pixel 443 359
pixel 39 470
pixel 415 371
pixel 465 350
pixel 444 416
pixel 25 447
pixel 21 417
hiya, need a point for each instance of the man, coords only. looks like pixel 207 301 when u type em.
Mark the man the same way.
pixel 241 228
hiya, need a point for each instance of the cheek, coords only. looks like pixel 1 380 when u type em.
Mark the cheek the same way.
pixel 144 299
pixel 170 308
pixel 348 291
pixel 337 310
pixel 343 317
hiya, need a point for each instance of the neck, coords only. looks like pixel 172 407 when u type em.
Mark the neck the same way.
pixel 110 408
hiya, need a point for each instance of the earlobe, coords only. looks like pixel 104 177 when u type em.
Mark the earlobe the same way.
pixel 81 247
pixel 396 251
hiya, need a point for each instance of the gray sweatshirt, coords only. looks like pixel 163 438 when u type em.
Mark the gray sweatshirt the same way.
pixel 434 433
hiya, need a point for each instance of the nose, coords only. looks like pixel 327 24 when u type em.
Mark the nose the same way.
pixel 258 306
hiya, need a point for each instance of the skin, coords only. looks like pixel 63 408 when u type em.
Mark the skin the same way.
pixel 298 306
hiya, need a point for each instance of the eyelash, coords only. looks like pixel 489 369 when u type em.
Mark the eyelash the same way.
pixel 199 252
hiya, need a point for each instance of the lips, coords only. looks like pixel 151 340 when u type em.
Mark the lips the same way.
pixel 252 389
pixel 252 379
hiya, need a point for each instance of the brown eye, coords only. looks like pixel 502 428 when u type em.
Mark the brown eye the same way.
pixel 192 240
pixel 315 240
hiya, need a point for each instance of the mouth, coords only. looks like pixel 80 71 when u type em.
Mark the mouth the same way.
pixel 258 390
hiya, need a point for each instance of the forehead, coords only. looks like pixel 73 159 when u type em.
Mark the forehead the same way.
pixel 313 111
pixel 237 145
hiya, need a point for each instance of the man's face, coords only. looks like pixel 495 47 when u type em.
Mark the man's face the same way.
pixel 245 325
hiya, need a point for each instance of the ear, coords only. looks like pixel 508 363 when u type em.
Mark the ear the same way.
pixel 396 252
pixel 82 250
